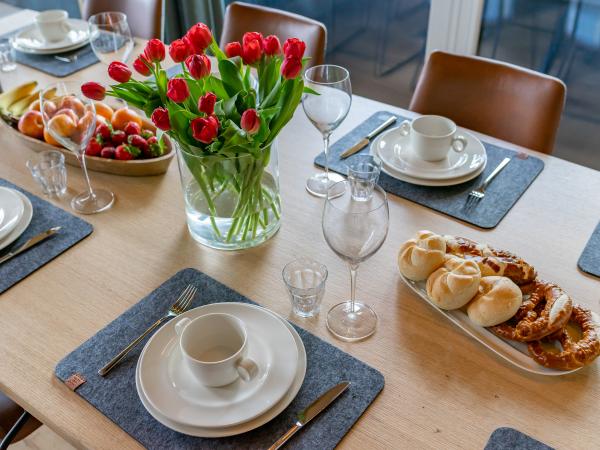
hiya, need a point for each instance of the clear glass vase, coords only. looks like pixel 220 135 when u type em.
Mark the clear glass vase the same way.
pixel 231 203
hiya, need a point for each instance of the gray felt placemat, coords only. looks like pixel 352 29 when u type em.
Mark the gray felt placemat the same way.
pixel 501 194
pixel 116 397
pixel 45 216
pixel 589 261
pixel 511 439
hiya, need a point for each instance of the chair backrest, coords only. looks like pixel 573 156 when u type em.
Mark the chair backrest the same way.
pixel 499 99
pixel 144 16
pixel 242 17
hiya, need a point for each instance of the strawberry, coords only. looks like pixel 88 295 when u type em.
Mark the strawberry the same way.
pixel 147 134
pixel 127 152
pixel 108 152
pixel 132 128
pixel 94 148
pixel 152 140
pixel 118 137
pixel 104 131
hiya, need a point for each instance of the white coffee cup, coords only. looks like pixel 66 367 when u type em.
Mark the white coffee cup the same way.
pixel 432 137
pixel 53 24
pixel 214 348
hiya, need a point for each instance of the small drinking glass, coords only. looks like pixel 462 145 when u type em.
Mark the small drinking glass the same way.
pixel 305 280
pixel 50 172
pixel 7 55
pixel 363 173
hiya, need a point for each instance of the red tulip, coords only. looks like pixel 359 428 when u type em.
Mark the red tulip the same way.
pixel 155 50
pixel 198 66
pixel 250 121
pixel 205 129
pixel 252 36
pixel 291 67
pixel 178 90
pixel 233 49
pixel 252 52
pixel 179 50
pixel 141 65
pixel 206 103
pixel 272 45
pixel 294 47
pixel 199 37
pixel 93 90
pixel 160 118
pixel 119 72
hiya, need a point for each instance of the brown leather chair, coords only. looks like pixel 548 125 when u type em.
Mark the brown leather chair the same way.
pixel 243 17
pixel 144 16
pixel 495 98
pixel 10 414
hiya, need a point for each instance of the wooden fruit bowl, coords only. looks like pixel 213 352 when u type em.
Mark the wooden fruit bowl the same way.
pixel 132 168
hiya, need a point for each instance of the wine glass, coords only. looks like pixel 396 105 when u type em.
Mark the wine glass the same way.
pixel 70 118
pixel 326 111
pixel 354 230
pixel 110 36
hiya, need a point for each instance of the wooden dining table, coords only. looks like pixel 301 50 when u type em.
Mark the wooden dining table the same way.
pixel 442 388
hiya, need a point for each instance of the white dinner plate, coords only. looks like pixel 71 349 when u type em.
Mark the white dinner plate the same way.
pixel 171 388
pixel 232 308
pixel 11 211
pixel 22 225
pixel 29 40
pixel 512 351
pixel 396 152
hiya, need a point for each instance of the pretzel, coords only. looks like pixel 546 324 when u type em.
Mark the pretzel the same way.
pixel 492 261
pixel 574 354
pixel 546 310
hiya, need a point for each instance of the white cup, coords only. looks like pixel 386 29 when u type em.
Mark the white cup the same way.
pixel 432 137
pixel 214 347
pixel 53 24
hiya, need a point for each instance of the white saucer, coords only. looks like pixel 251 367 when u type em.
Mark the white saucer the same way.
pixel 11 211
pixel 234 308
pixel 29 40
pixel 172 390
pixel 21 225
pixel 395 151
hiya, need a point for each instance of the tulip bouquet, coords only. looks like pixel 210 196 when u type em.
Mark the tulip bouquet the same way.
pixel 223 125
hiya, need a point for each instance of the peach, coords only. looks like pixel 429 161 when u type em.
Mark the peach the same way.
pixel 49 107
pixel 68 112
pixel 49 139
pixel 32 124
pixel 123 116
pixel 62 124
pixel 73 103
pixel 86 122
pixel 103 110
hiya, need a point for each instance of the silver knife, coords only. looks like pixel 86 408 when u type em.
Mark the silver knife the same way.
pixel 30 243
pixel 365 141
pixel 312 411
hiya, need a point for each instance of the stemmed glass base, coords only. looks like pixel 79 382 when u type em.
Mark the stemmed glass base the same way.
pixel 318 184
pixel 86 203
pixel 351 324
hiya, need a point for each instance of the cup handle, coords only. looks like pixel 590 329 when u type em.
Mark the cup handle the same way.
pixel 404 128
pixel 181 324
pixel 459 143
pixel 66 27
pixel 247 369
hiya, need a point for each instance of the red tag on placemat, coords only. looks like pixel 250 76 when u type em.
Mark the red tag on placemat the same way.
pixel 74 381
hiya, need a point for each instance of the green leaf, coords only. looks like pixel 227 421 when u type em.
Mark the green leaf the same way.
pixel 214 85
pixel 231 77
pixel 308 90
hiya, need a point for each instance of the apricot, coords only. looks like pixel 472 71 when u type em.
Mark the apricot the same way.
pixel 69 113
pixel 32 124
pixel 73 103
pixel 62 124
pixel 123 116
pixel 103 110
pixel 86 122
pixel 49 139
pixel 49 107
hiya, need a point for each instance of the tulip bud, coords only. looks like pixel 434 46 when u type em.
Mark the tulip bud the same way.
pixel 272 45
pixel 250 121
pixel 178 90
pixel 291 67
pixel 155 50
pixel 93 90
pixel 252 36
pixel 206 103
pixel 204 129
pixel 141 65
pixel 160 118
pixel 251 52
pixel 198 66
pixel 179 50
pixel 294 47
pixel 199 37
pixel 119 72
pixel 233 49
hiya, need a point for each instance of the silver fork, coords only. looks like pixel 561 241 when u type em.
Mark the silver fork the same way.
pixel 477 194
pixel 180 306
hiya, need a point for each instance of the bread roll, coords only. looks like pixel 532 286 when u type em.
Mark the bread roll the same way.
pixel 498 300
pixel 420 256
pixel 454 284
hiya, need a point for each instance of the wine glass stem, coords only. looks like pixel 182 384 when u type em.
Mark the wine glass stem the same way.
pixel 326 151
pixel 85 174
pixel 353 272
